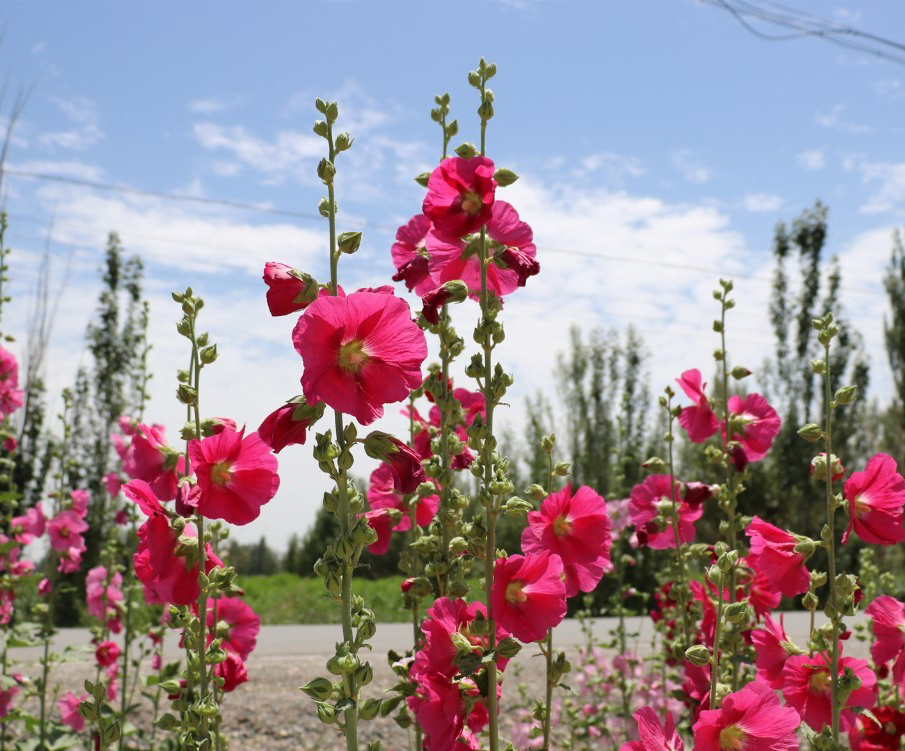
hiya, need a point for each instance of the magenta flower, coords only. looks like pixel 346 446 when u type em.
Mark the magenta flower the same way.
pixel 460 194
pixel 807 686
pixel 71 559
pixel 232 671
pixel 875 499
pixel 888 623
pixel 288 290
pixel 439 710
pixel 8 694
pixel 30 525
pixel 382 494
pixel 410 255
pixel 528 594
pixel 149 458
pixel 577 529
pixel 755 425
pixel 654 736
pixel 236 624
pixel 751 718
pixel 112 483
pixel 652 495
pixel 107 653
pixel 11 396
pixel 446 618
pixel 65 531
pixel 405 465
pixel 699 421
pixel 452 259
pixel 237 475
pixel 773 555
pixel 381 521
pixel 772 649
pixel 80 500
pixel 97 589
pixel 360 352
pixel 69 710
pixel 281 428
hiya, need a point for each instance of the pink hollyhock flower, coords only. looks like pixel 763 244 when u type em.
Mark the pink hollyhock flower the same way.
pixel 755 424
pixel 519 260
pixel 410 255
pixel 577 529
pixel 80 500
pixel 382 494
pixel 460 195
pixel 883 735
pixel 452 258
pixel 71 559
pixel 9 368
pixel 97 588
pixel 875 499
pixel 288 290
pixel 807 686
pixel 528 594
pixel 107 653
pixel 219 424
pixel 646 500
pixel 699 421
pixel 445 618
pixel 65 531
pixel 232 671
pixel 752 718
pixel 236 624
pixel 156 662
pixel 167 577
pixel 69 710
pixel 753 584
pixel 30 525
pixel 112 671
pixel 112 483
pixel 121 517
pixel 772 649
pixel 45 587
pixel 237 475
pixel 405 465
pixel 127 425
pixel 654 736
pixel 149 458
pixel 7 695
pixel 360 352
pixel 888 622
pixel 381 521
pixel 439 710
pixel 453 291
pixel 287 425
pixel 773 554
pixel 10 443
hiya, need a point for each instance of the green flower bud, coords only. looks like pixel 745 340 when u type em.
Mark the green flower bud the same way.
pixel 467 150
pixel 846 395
pixel 326 713
pixel 369 709
pixel 344 142
pixel 326 171
pixel 319 689
pixel 504 177
pixel 810 432
pixel 739 372
pixel 508 648
pixel 698 655
pixel 364 674
pixel 736 612
pixel 518 507
pixel 348 242
pixel 422 179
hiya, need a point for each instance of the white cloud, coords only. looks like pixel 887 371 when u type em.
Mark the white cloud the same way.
pixel 834 120
pixel 85 131
pixel 692 169
pixel 280 156
pixel 762 202
pixel 214 105
pixel 888 182
pixel 890 88
pixel 813 159
pixel 38 48
pixel 608 168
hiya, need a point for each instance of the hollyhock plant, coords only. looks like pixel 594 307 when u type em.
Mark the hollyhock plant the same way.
pixel 772 649
pixel 654 736
pixel 887 616
pixel 751 718
pixel 7 696
pixel 288 425
pixel 647 497
pixel 884 734
pixel 98 589
pixel 382 495
pixel 455 259
pixel 359 352
pixel 112 483
pixel 237 474
pixel 699 421
pixel 232 671
pixel 402 460
pixel 439 710
pixel 107 653
pixel 447 618
pixel 460 196
pixel 577 529
pixel 529 594
pixel 150 459
pixel 65 531
pixel 69 710
pixel 382 522
pixel 410 255
pixel 453 291
pixel 30 525
pixel 763 597
pixel 807 687
pixel 773 554
pixel 754 425
pixel 875 499
pixel 236 623
pixel 288 290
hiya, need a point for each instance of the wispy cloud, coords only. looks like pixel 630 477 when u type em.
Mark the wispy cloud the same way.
pixel 609 168
pixel 691 167
pixel 214 105
pixel 81 112
pixel 887 180
pixel 813 159
pixel 834 120
pixel 762 202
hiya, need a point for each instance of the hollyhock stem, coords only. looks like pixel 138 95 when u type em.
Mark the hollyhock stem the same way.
pixel 548 652
pixel 682 595
pixel 831 540
pixel 717 635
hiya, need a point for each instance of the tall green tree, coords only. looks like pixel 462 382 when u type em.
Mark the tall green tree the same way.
pixel 894 332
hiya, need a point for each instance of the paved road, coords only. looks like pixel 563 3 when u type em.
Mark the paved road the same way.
pixel 319 639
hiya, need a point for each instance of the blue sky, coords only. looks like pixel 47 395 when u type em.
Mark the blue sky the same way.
pixel 645 133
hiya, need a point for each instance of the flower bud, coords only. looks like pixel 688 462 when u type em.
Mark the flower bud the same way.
pixel 348 242
pixel 810 432
pixel 654 464
pixel 344 142
pixel 504 177
pixel 364 674
pixel 369 709
pixel 846 394
pixel 518 507
pixel 736 612
pixel 319 689
pixel 326 713
pixel 467 150
pixel 508 648
pixel 326 171
pixel 535 492
pixel 739 372
pixel 698 655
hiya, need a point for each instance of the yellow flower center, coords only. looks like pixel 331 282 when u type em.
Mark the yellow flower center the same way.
pixel 861 506
pixel 561 526
pixel 471 203
pixel 820 681
pixel 732 738
pixel 515 592
pixel 220 473
pixel 352 356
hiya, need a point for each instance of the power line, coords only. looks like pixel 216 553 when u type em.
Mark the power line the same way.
pixel 803 25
